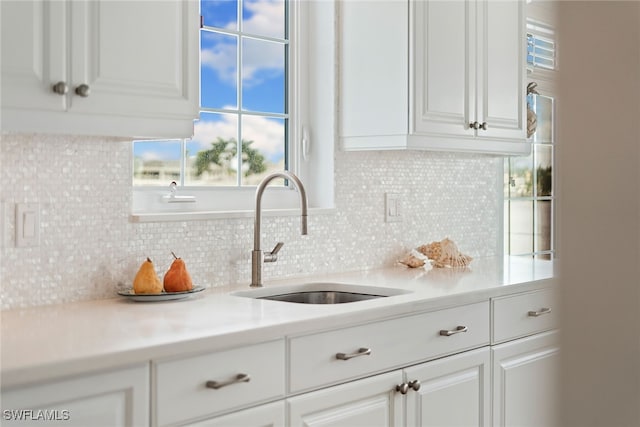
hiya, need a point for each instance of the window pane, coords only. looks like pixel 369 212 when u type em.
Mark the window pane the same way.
pixel 543 107
pixel 218 70
pixel 211 153
pixel 156 162
pixel 263 148
pixel 544 172
pixel 220 13
pixel 263 17
pixel 263 76
pixel 521 227
pixel 543 225
pixel 521 176
pixel 507 178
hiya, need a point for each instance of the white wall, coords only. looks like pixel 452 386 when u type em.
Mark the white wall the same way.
pixel 599 214
pixel 89 247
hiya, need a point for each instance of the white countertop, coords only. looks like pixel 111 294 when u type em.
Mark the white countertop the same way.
pixel 43 343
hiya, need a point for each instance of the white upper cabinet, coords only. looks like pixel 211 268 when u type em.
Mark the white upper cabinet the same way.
pixel 100 67
pixel 434 75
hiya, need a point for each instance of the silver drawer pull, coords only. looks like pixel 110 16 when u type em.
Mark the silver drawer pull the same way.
pixel 361 352
pixel 457 330
pixel 539 312
pixel 240 378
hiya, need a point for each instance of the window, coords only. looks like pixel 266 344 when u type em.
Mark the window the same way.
pixel 257 109
pixel 529 194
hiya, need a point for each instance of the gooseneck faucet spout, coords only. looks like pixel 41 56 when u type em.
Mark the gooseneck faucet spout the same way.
pixel 257 255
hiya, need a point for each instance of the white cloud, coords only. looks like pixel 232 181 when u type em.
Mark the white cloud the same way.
pixel 261 59
pixel 267 135
pixel 267 17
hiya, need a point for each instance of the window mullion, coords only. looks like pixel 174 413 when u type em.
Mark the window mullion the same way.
pixel 183 162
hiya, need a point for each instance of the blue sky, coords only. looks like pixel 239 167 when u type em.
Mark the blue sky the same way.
pixel 262 83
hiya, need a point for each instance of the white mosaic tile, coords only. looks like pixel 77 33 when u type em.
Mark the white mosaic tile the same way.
pixel 89 247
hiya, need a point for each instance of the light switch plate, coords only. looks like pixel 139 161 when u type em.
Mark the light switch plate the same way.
pixel 27 224
pixel 392 207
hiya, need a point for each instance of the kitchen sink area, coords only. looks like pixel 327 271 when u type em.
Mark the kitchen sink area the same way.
pixel 321 293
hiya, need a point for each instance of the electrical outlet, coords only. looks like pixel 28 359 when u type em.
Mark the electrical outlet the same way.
pixel 392 207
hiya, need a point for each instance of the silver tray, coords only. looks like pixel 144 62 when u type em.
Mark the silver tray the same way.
pixel 163 296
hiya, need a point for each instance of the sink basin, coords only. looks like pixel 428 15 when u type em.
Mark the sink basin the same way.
pixel 320 293
pixel 322 297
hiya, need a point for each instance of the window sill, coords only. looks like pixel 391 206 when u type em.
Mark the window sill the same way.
pixel 212 215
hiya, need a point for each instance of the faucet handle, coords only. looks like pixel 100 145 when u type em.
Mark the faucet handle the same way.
pixel 277 248
pixel 273 255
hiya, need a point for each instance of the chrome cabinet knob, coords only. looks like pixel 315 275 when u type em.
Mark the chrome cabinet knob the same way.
pixel 402 388
pixel 414 384
pixel 474 125
pixel 83 90
pixel 60 88
pixel 483 126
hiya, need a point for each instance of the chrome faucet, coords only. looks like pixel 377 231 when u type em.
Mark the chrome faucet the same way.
pixel 257 255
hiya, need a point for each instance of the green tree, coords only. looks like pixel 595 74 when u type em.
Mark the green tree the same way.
pixel 223 151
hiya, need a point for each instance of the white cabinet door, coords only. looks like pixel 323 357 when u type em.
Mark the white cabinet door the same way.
pixel 128 68
pixel 501 95
pixel 374 73
pixel 134 57
pixel 469 75
pixel 454 391
pixel 270 415
pixel 370 402
pixel 445 67
pixel 525 388
pixel 34 55
pixel 118 398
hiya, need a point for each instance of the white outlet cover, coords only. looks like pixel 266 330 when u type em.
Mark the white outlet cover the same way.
pixel 27 224
pixel 392 207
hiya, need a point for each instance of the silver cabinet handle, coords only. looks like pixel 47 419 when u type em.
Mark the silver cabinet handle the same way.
pixel 457 330
pixel 361 352
pixel 83 90
pixel 483 126
pixel 474 125
pixel 402 388
pixel 60 88
pixel 240 378
pixel 540 312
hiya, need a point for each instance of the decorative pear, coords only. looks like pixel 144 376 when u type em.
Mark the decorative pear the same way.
pixel 147 280
pixel 177 278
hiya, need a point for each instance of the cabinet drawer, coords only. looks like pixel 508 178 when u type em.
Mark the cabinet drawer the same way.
pixel 319 359
pixel 184 387
pixel 524 314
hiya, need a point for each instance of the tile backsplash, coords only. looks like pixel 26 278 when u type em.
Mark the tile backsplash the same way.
pixel 89 247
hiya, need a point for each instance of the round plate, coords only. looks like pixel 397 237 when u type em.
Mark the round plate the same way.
pixel 163 296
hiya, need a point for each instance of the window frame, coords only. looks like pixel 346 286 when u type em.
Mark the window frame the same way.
pixel 539 13
pixel 311 133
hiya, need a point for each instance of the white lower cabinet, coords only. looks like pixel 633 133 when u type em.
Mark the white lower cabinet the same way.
pixel 115 399
pixel 371 402
pixel 525 373
pixel 204 386
pixel 491 362
pixel 269 415
pixel 453 391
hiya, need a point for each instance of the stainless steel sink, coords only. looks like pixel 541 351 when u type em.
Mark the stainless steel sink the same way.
pixel 322 297
pixel 320 293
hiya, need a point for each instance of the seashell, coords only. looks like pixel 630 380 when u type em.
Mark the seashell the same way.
pixel 445 254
